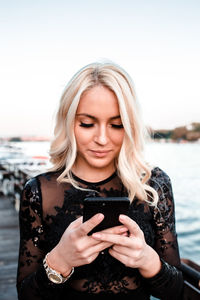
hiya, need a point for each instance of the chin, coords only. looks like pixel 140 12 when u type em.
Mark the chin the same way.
pixel 100 164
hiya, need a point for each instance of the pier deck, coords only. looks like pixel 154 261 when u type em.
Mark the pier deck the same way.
pixel 9 243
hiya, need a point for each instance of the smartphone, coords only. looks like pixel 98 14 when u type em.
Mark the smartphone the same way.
pixel 110 207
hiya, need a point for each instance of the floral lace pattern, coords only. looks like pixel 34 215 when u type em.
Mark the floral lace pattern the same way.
pixel 47 208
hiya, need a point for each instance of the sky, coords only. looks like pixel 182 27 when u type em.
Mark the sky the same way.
pixel 44 42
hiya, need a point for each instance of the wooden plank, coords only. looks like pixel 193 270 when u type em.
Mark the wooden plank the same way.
pixel 9 244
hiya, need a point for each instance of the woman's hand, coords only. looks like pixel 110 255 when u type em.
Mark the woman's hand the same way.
pixel 77 248
pixel 132 250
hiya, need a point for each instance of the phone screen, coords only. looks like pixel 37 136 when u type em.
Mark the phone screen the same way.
pixel 110 207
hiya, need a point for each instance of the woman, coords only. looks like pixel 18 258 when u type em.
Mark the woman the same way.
pixel 97 151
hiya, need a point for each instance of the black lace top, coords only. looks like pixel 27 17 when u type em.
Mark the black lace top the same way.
pixel 47 208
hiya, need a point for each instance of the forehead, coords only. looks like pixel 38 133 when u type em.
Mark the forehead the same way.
pixel 99 101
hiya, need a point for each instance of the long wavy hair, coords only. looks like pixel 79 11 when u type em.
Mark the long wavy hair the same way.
pixel 131 167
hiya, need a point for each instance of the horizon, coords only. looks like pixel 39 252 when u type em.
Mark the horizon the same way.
pixel 43 46
pixel 47 137
pixel 31 137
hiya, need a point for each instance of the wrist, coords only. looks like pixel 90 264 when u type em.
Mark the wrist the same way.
pixel 53 275
pixel 55 262
pixel 152 266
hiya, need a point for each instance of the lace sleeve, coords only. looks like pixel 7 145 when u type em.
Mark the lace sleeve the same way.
pixel 32 282
pixel 167 284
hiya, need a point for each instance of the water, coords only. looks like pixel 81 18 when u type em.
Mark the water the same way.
pixel 182 163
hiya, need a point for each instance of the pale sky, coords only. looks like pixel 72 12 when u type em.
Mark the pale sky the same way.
pixel 44 42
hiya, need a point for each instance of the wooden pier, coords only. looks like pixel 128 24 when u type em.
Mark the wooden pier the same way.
pixel 9 243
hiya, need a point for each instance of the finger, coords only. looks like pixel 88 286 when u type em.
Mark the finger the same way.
pixel 98 248
pixel 119 256
pixel 76 223
pixel 123 250
pixel 116 230
pixel 132 226
pixel 112 238
pixel 88 225
pixel 128 259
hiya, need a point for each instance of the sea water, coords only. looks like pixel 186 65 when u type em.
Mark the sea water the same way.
pixel 182 163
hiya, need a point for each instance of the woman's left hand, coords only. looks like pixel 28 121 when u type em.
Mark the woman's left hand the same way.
pixel 132 250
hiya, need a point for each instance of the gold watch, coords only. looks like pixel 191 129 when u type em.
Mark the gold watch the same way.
pixel 53 275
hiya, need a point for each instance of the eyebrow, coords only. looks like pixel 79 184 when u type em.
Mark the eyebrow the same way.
pixel 94 118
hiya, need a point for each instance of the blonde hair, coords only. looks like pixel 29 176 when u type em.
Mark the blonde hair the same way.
pixel 131 166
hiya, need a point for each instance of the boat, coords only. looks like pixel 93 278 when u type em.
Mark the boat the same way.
pixel 16 167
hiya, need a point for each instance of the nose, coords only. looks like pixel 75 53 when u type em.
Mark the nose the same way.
pixel 101 136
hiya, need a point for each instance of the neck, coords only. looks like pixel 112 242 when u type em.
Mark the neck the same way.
pixel 93 176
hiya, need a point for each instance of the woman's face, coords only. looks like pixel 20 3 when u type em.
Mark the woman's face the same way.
pixel 98 131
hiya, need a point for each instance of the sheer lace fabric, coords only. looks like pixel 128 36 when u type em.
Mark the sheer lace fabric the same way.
pixel 47 209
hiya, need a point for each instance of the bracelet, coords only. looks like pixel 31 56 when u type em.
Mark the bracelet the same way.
pixel 53 275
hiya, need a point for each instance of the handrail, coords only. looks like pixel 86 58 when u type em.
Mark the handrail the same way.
pixel 191 276
pixel 191 273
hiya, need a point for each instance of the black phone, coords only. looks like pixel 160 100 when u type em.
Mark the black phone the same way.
pixel 110 207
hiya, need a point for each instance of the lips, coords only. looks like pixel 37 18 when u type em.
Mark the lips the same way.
pixel 100 153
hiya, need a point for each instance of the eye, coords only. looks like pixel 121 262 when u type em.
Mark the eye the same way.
pixel 87 125
pixel 117 126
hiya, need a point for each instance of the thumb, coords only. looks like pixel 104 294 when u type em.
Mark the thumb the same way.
pixel 88 225
pixel 132 226
pixel 76 223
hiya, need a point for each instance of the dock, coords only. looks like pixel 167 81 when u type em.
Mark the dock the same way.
pixel 16 167
pixel 9 244
pixel 15 170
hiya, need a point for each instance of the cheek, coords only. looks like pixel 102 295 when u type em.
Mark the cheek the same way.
pixel 118 138
pixel 82 136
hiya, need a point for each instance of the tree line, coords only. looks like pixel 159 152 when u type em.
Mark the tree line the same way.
pixel 189 133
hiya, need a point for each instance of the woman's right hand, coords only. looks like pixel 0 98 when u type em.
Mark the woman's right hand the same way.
pixel 76 247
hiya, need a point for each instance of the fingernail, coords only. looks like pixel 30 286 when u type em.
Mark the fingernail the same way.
pixel 122 217
pixel 100 216
pixel 96 235
pixel 124 234
pixel 122 229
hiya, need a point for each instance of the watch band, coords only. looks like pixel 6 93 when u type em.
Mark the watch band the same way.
pixel 53 275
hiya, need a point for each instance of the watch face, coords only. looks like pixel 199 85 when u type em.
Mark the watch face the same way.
pixel 55 278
